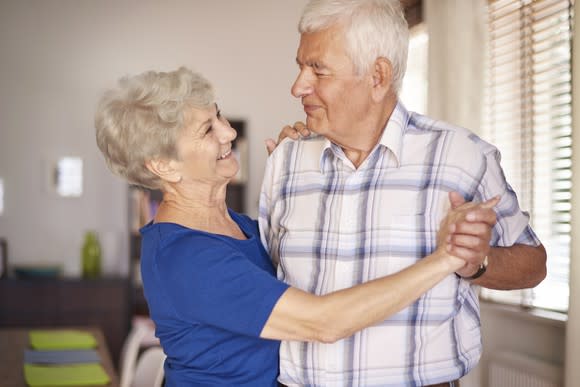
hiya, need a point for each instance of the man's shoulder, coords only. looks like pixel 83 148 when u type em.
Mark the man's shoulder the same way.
pixel 456 135
pixel 422 123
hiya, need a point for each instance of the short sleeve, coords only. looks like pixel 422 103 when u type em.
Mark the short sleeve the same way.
pixel 512 223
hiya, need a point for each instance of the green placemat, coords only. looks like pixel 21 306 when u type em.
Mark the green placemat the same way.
pixel 69 375
pixel 65 339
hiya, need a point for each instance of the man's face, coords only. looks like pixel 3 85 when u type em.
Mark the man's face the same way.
pixel 335 99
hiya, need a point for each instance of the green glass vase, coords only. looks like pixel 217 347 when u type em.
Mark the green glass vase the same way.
pixel 91 256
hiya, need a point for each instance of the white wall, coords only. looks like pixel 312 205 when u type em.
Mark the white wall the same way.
pixel 513 330
pixel 56 56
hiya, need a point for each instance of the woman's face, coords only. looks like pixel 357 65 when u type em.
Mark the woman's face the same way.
pixel 204 147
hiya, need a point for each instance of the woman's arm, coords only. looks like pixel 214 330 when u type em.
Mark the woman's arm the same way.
pixel 302 316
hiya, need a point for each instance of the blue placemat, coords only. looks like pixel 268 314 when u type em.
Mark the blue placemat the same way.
pixel 61 357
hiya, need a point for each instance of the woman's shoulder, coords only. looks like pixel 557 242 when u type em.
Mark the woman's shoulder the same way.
pixel 173 238
pixel 246 223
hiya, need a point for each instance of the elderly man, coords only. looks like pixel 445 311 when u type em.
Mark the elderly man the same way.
pixel 364 198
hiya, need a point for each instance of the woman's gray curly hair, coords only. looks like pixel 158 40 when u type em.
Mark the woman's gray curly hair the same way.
pixel 140 120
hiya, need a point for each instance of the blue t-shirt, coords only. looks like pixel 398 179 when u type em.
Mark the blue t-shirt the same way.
pixel 210 296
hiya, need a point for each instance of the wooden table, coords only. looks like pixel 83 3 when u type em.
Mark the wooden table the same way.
pixel 13 342
pixel 64 302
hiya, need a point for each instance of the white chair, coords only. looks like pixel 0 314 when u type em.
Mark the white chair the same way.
pixel 142 334
pixel 149 371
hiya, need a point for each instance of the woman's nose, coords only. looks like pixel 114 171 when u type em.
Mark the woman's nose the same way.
pixel 226 132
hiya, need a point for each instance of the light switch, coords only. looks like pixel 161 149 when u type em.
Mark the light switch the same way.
pixel 67 177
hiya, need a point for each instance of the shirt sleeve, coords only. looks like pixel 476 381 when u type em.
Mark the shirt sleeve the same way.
pixel 512 223
pixel 206 281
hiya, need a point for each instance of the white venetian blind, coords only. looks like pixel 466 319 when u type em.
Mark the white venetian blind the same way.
pixel 528 116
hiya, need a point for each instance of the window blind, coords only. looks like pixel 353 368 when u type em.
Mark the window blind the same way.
pixel 528 116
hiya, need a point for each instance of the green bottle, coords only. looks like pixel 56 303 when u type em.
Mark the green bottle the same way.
pixel 91 256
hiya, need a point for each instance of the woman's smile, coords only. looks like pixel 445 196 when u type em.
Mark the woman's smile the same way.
pixel 225 155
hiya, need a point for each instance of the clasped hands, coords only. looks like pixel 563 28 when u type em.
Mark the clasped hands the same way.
pixel 465 232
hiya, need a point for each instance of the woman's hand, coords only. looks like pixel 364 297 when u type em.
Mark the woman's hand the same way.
pixel 465 232
pixel 296 131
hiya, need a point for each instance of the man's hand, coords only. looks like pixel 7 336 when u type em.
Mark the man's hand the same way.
pixel 296 131
pixel 466 231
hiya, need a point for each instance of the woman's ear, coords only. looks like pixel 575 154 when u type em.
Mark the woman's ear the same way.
pixel 165 169
pixel 382 75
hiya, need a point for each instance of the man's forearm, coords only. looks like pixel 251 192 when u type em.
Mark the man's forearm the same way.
pixel 516 267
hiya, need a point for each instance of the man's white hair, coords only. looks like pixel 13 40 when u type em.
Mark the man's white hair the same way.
pixel 373 29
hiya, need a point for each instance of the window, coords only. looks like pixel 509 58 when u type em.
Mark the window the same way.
pixel 528 116
pixel 415 84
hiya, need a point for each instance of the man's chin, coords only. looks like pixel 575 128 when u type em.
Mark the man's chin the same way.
pixel 316 126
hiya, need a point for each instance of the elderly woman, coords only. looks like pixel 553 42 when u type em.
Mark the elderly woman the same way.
pixel 218 308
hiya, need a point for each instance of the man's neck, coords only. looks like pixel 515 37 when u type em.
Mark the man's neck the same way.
pixel 358 154
pixel 357 157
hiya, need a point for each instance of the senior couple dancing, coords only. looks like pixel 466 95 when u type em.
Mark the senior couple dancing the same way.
pixel 372 230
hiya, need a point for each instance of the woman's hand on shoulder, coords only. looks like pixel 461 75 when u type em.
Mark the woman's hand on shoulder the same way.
pixel 295 131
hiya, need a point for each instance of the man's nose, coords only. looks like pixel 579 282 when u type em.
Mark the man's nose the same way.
pixel 302 85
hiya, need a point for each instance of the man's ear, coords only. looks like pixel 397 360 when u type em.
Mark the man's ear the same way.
pixel 165 169
pixel 382 75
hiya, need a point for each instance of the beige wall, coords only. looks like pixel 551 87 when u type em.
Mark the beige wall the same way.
pixel 56 56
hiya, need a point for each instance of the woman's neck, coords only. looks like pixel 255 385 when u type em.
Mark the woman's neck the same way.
pixel 206 211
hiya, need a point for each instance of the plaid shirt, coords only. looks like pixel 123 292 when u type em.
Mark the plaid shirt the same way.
pixel 331 226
